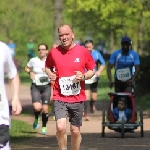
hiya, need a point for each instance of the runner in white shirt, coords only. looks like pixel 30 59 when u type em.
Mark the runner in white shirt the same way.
pixel 7 66
pixel 40 87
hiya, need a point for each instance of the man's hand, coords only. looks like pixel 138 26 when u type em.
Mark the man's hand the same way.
pixel 79 76
pixel 32 75
pixel 52 76
pixel 97 73
pixel 130 81
pixel 16 107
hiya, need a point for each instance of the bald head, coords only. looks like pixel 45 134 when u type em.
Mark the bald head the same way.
pixel 66 36
pixel 67 26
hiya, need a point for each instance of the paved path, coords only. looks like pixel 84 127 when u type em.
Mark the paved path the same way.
pixel 91 137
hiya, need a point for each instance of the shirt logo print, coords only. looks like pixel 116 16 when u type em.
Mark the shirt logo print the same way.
pixel 77 60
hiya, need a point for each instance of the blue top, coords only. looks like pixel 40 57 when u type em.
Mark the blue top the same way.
pixel 127 112
pixel 11 45
pixel 97 58
pixel 121 61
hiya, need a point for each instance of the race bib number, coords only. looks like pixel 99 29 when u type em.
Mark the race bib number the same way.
pixel 92 80
pixel 69 86
pixel 123 74
pixel 41 79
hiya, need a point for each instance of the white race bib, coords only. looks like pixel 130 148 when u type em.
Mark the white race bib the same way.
pixel 41 79
pixel 123 74
pixel 92 80
pixel 69 86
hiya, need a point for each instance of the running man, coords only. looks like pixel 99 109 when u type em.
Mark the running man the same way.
pixel 124 60
pixel 91 85
pixel 70 61
pixel 7 66
pixel 40 87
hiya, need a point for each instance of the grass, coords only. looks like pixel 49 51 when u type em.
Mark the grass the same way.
pixel 25 78
pixel 20 131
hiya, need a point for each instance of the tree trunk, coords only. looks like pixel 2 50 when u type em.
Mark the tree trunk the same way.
pixel 58 18
pixel 140 37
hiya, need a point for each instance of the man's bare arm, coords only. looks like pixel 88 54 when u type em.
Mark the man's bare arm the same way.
pixel 16 105
pixel 109 75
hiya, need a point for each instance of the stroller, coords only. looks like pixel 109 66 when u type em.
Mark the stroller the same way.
pixel 122 126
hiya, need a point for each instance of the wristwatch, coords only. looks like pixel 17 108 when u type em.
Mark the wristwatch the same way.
pixel 83 78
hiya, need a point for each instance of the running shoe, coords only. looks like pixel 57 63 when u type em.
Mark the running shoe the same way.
pixel 54 118
pixel 43 130
pixel 36 123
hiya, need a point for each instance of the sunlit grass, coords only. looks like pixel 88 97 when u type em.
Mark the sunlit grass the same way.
pixel 20 130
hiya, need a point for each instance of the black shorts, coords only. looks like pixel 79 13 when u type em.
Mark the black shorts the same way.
pixel 93 87
pixel 41 93
pixel 75 110
pixel 121 86
pixel 4 135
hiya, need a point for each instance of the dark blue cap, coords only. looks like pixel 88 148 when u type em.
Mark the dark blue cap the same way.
pixel 126 39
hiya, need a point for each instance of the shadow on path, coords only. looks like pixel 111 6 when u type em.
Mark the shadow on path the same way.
pixel 90 141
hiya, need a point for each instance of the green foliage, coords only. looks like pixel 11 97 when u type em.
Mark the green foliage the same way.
pixel 22 20
pixel 20 131
pixel 99 18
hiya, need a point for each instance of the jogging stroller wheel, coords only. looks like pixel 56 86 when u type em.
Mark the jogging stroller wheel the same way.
pixel 103 122
pixel 141 121
pixel 122 128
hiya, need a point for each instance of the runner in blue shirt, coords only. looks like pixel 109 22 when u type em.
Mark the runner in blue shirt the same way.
pixel 124 61
pixel 12 47
pixel 91 85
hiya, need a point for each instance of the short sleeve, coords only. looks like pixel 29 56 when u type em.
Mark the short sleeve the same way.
pixel 89 62
pixel 136 59
pixel 49 63
pixel 30 63
pixel 112 59
pixel 10 67
pixel 101 59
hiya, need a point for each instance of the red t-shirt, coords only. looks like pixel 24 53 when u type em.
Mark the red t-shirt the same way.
pixel 66 63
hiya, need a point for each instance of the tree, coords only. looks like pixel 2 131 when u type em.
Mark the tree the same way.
pixel 58 18
pixel 112 19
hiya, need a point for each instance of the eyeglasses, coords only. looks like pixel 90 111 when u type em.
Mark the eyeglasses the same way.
pixel 41 49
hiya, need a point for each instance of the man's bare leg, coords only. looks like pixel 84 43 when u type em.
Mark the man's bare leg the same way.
pixel 86 103
pixel 92 104
pixel 75 138
pixel 61 133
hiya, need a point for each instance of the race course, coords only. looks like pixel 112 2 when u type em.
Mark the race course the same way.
pixel 90 130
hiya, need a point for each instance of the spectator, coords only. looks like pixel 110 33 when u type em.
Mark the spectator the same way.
pixel 30 49
pixel 12 47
